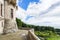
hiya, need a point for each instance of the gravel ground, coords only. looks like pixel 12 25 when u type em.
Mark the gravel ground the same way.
pixel 20 35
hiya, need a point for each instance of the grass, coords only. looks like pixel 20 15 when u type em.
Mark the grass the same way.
pixel 54 38
pixel 48 35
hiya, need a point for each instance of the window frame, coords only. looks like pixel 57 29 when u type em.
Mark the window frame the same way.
pixel 1 9
pixel 11 13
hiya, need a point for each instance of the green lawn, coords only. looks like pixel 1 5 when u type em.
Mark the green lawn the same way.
pixel 48 35
pixel 54 38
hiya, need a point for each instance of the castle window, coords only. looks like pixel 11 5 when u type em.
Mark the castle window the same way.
pixel 2 24
pixel 11 13
pixel 1 9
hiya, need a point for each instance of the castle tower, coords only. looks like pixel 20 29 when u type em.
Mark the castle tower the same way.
pixel 9 16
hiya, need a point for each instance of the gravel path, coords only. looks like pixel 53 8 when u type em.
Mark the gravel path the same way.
pixel 20 35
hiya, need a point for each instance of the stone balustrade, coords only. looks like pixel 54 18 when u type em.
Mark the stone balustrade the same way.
pixel 32 36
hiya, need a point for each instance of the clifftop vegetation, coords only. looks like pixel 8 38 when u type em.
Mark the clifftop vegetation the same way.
pixel 43 32
pixel 37 28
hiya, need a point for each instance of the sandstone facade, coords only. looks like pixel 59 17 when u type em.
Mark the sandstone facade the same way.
pixel 1 16
pixel 8 19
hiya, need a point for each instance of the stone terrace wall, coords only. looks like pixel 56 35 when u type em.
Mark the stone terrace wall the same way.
pixel 32 36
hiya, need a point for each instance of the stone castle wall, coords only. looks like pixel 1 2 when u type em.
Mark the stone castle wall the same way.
pixel 1 17
pixel 10 23
pixel 7 24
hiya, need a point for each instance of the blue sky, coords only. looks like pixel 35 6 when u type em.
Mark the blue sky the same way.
pixel 24 3
pixel 39 12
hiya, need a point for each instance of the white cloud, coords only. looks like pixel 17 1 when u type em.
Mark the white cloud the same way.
pixel 46 12
pixel 40 7
pixel 20 13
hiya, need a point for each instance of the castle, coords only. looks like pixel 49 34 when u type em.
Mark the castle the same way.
pixel 7 16
pixel 8 21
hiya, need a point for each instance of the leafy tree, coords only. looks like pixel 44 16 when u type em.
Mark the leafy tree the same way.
pixel 19 22
pixel 37 28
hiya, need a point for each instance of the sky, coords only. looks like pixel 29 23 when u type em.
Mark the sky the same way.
pixel 39 12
